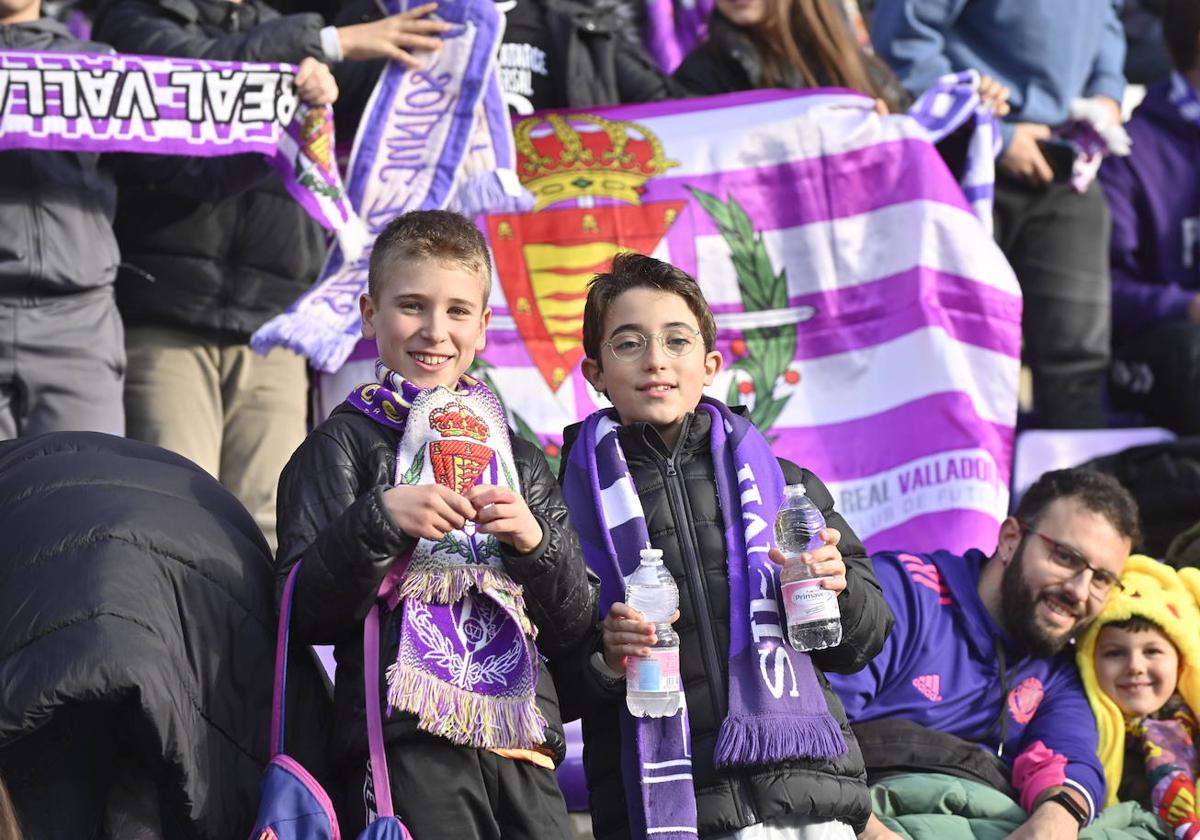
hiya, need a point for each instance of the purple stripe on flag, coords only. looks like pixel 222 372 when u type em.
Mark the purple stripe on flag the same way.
pixel 970 312
pixel 952 530
pixel 818 189
pixel 836 451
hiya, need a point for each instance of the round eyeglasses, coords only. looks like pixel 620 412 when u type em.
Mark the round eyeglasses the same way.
pixel 631 346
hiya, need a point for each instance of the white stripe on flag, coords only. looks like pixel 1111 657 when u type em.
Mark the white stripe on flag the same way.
pixel 666 829
pixel 843 253
pixel 620 502
pixel 789 129
pixel 653 780
pixel 959 479
pixel 655 765
pixel 874 379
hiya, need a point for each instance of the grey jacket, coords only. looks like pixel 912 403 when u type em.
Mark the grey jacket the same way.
pixel 56 208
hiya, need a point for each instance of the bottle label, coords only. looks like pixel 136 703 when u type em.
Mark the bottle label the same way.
pixel 807 600
pixel 657 672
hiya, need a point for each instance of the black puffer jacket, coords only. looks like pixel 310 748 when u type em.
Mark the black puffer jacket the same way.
pixel 331 516
pixel 679 497
pixel 134 585
pixel 191 257
pixel 729 61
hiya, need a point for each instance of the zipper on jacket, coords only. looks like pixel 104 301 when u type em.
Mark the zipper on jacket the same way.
pixel 680 508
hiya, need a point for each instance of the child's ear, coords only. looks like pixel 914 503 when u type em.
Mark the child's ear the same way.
pixel 366 308
pixel 713 362
pixel 481 342
pixel 593 374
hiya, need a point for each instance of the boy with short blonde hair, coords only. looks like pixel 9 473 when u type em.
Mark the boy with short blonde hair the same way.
pixel 1140 664
pixel 414 492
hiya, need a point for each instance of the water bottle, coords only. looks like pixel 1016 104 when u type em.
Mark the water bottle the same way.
pixel 652 686
pixel 814 620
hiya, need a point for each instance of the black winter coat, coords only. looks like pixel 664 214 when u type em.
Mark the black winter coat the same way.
pixel 331 516
pixel 191 256
pixel 679 498
pixel 135 586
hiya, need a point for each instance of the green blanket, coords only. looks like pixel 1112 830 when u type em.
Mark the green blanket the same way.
pixel 932 806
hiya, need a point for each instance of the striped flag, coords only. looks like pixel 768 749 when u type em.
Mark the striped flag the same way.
pixel 865 315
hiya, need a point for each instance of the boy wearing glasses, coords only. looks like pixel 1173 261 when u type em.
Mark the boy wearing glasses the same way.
pixel 766 746
pixel 981 648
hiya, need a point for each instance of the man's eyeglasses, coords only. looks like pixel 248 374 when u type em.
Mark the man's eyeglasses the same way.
pixel 631 346
pixel 1103 582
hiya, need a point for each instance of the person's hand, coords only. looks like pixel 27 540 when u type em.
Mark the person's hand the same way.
pixel 881 108
pixel 995 94
pixel 1023 159
pixel 395 37
pixel 876 830
pixel 1049 821
pixel 1193 310
pixel 502 512
pixel 626 633
pixel 1111 109
pixel 825 562
pixel 428 511
pixel 314 83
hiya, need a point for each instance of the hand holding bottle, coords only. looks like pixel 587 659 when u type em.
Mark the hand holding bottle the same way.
pixel 825 562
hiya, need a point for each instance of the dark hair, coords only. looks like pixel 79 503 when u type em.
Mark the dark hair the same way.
pixel 1181 28
pixel 1098 492
pixel 812 38
pixel 637 271
pixel 1137 624
pixel 430 235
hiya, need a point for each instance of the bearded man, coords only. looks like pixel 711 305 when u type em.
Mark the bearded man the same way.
pixel 978 676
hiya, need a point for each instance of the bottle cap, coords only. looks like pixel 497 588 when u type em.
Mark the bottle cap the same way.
pixel 793 490
pixel 653 556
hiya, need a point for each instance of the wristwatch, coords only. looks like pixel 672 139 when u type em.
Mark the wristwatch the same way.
pixel 1067 801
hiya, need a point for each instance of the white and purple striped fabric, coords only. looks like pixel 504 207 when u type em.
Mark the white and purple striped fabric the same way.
pixel 900 389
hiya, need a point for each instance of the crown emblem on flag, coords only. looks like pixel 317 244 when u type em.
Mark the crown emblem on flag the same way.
pixel 560 158
pixel 455 420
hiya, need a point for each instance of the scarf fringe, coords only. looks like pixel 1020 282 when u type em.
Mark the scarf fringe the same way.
pixel 449 584
pixel 491 192
pixel 463 717
pixel 773 738
pixel 326 345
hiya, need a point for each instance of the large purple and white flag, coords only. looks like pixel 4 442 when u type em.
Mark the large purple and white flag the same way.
pixel 866 317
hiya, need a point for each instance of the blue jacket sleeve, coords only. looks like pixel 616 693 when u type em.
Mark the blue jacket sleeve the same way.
pixel 859 689
pixel 1059 746
pixel 1108 70
pixel 910 35
pixel 1139 301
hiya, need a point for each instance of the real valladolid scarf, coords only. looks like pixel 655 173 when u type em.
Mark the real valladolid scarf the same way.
pixel 430 139
pixel 777 711
pixel 177 106
pixel 467 666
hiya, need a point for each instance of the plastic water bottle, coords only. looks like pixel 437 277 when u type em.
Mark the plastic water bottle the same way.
pixel 813 618
pixel 652 686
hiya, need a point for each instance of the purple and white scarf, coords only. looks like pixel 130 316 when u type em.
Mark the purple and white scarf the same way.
pixel 429 139
pixel 777 711
pixel 1094 136
pixel 949 103
pixel 467 666
pixel 177 106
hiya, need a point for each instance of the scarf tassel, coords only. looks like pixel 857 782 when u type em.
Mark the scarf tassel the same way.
pixel 463 717
pixel 448 585
pixel 767 739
